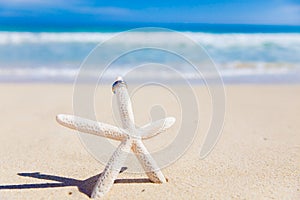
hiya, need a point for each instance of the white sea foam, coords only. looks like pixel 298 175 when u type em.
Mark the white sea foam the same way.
pixel 30 37
pixel 41 73
pixel 219 40
pixel 235 40
pixel 67 74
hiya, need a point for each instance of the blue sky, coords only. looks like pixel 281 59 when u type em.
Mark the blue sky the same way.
pixel 162 11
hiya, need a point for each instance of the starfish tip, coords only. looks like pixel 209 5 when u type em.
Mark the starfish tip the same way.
pixel 119 78
pixel 60 118
pixel 170 121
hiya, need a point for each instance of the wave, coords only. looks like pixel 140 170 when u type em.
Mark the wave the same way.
pixel 48 47
pixel 69 74
pixel 57 56
pixel 221 40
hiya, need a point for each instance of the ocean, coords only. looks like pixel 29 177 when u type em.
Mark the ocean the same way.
pixel 240 53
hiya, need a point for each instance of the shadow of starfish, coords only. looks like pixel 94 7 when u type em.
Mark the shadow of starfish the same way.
pixel 84 186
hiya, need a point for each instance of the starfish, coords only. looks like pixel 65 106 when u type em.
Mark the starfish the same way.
pixel 130 137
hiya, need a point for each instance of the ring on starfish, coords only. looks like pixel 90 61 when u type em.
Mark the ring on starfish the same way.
pixel 130 137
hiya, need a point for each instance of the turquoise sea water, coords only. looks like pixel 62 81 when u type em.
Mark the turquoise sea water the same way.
pixel 242 53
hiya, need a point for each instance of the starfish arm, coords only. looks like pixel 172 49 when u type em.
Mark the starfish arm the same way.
pixel 91 127
pixel 155 128
pixel 147 162
pixel 124 104
pixel 112 169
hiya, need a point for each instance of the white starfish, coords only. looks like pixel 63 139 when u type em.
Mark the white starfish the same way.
pixel 130 137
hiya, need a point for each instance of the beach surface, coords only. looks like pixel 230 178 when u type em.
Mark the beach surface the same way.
pixel 256 157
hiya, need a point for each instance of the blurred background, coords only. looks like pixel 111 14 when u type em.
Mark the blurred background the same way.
pixel 249 41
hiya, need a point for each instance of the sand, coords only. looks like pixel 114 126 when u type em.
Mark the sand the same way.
pixel 257 156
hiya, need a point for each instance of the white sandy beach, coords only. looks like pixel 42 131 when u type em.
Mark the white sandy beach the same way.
pixel 257 156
